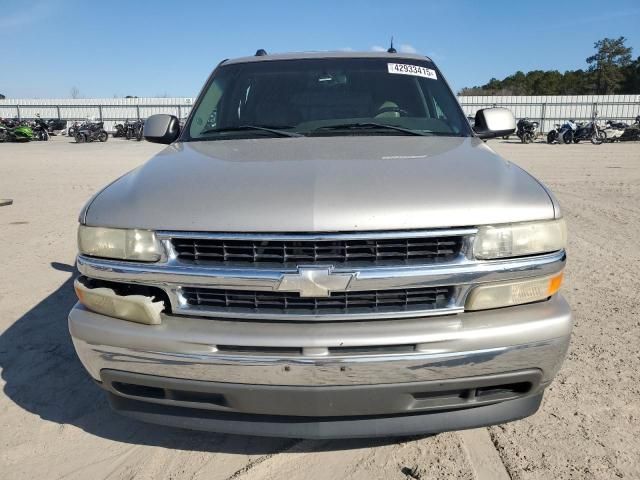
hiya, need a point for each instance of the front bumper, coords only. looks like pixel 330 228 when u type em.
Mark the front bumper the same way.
pixel 450 354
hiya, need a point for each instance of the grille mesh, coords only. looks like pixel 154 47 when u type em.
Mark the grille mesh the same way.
pixel 338 252
pixel 244 301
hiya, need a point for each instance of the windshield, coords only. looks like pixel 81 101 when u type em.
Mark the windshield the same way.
pixel 326 97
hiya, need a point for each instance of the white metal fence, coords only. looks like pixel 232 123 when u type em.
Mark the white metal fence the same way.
pixel 108 110
pixel 548 110
pixel 552 109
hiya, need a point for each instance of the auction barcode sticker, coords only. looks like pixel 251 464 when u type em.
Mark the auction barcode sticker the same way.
pixel 417 70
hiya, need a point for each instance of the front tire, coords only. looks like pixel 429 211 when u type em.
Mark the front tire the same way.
pixel 552 136
pixel 598 137
pixel 80 138
pixel 103 136
pixel 567 137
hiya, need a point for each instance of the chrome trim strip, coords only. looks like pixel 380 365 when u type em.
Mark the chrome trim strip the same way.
pixel 181 308
pixel 461 272
pixel 345 370
pixel 167 234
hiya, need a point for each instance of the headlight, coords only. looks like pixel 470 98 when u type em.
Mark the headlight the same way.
pixel 518 239
pixel 134 308
pixel 123 244
pixel 513 293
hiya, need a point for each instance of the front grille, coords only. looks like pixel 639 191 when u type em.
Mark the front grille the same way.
pixel 336 252
pixel 376 301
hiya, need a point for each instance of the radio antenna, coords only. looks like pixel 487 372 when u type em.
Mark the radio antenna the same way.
pixel 391 49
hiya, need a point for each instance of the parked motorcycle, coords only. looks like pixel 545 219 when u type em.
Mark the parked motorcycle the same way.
pixel 74 127
pixel 134 129
pixel 589 131
pixel 632 132
pixel 120 130
pixel 40 129
pixel 614 130
pixel 562 133
pixel 91 132
pixel 527 130
pixel 15 131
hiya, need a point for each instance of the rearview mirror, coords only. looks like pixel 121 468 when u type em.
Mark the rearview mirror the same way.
pixel 494 122
pixel 161 128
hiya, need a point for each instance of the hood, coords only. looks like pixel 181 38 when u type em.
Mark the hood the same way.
pixel 321 184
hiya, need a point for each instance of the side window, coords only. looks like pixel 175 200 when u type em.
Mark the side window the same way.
pixel 207 115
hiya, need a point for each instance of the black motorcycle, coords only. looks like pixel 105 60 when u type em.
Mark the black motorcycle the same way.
pixel 632 133
pixel 91 132
pixel 134 129
pixel 40 129
pixel 562 133
pixel 527 130
pixel 120 130
pixel 589 131
pixel 74 127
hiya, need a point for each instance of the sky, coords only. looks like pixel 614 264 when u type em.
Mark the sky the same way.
pixel 168 48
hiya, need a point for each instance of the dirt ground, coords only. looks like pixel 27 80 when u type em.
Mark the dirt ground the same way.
pixel 54 423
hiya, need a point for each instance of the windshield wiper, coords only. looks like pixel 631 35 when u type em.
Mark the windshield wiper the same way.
pixel 365 126
pixel 241 128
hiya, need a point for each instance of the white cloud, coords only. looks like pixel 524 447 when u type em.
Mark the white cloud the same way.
pixel 406 48
pixel 346 49
pixel 378 48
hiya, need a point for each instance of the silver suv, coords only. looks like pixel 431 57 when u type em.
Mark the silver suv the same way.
pixel 325 249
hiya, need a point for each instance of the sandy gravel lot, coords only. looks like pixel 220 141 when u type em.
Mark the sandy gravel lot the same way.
pixel 54 423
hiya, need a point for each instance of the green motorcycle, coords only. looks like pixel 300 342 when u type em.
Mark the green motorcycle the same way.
pixel 15 133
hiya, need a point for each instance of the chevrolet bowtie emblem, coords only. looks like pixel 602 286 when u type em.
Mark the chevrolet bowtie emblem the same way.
pixel 314 281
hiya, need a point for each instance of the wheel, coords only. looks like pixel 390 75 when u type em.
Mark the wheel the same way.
pixel 128 135
pixel 576 140
pixel 139 134
pixel 46 136
pixel 567 137
pixel 103 136
pixel 552 136
pixel 527 138
pixel 598 137
pixel 506 137
pixel 80 138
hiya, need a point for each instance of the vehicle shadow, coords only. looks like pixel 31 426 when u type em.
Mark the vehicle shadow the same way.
pixel 43 375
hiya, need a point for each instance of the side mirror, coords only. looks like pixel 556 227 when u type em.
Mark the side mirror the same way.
pixel 494 122
pixel 161 128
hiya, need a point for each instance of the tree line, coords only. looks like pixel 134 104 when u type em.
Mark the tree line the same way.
pixel 610 70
